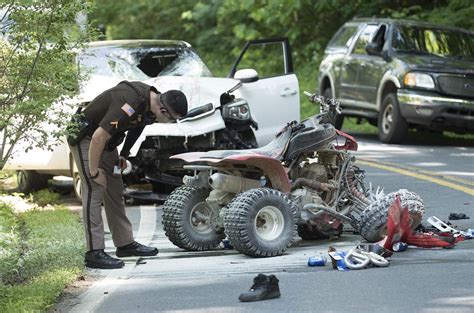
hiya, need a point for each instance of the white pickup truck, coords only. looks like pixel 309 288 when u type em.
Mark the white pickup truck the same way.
pixel 267 95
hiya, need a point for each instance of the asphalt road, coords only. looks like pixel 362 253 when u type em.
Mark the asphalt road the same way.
pixel 417 280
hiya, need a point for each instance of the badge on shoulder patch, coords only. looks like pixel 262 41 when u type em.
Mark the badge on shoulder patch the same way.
pixel 128 109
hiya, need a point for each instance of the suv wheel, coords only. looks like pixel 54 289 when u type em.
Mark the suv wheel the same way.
pixel 327 93
pixel 29 181
pixel 392 126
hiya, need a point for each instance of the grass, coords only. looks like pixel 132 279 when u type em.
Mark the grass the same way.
pixel 42 251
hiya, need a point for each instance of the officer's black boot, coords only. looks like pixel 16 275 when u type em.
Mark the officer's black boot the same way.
pixel 100 259
pixel 136 249
pixel 264 287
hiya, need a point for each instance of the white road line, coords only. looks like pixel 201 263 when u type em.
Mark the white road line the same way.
pixel 92 299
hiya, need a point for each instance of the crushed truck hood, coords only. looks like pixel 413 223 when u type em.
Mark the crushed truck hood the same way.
pixel 199 91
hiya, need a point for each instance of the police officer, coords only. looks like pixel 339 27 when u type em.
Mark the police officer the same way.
pixel 129 106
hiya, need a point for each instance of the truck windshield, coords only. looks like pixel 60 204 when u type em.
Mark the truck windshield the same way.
pixel 438 41
pixel 142 63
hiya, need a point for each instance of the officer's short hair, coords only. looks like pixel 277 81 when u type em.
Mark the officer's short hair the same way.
pixel 176 101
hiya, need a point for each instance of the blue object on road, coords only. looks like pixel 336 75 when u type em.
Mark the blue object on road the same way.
pixel 317 261
pixel 225 244
pixel 468 234
pixel 399 246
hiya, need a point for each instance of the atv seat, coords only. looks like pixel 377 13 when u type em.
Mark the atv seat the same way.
pixel 274 149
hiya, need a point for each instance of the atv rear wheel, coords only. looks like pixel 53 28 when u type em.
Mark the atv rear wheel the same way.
pixel 187 220
pixel 373 221
pixel 261 222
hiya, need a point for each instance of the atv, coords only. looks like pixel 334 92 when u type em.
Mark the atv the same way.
pixel 303 182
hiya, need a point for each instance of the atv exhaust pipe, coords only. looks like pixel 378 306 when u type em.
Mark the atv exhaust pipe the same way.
pixel 233 184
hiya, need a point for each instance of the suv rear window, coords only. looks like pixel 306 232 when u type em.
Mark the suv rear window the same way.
pixel 438 41
pixel 342 36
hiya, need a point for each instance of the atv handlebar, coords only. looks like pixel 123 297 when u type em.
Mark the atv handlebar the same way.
pixel 330 107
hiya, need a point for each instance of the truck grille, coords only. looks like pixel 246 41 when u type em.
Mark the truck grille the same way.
pixel 461 86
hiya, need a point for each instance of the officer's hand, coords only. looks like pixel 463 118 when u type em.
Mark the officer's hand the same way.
pixel 101 179
pixel 122 163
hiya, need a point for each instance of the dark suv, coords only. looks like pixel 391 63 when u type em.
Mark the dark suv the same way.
pixel 399 74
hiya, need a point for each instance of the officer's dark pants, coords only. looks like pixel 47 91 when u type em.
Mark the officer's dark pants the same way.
pixel 94 194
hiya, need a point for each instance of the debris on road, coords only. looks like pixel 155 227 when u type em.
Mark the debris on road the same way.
pixel 468 233
pixel 337 259
pixel 399 246
pixel 317 261
pixel 458 216
pixel 358 259
pixel 225 244
pixel 264 287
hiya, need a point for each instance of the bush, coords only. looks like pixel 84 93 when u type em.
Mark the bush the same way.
pixel 44 197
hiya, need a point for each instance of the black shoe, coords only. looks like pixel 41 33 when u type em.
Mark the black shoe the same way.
pixel 264 287
pixel 136 249
pixel 100 259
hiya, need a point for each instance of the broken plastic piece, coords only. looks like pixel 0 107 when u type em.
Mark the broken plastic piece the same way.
pixel 431 240
pixel 358 259
pixel 398 225
pixel 441 226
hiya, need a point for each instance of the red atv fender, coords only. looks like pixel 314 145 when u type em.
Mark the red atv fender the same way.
pixel 273 169
pixel 350 144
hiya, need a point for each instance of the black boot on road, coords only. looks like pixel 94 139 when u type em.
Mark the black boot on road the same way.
pixel 264 287
pixel 136 249
pixel 100 259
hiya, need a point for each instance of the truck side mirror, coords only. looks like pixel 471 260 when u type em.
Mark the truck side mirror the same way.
pixel 246 75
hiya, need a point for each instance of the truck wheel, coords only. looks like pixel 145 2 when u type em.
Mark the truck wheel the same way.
pixel 392 126
pixel 373 221
pixel 29 181
pixel 187 220
pixel 327 93
pixel 261 222
pixel 77 185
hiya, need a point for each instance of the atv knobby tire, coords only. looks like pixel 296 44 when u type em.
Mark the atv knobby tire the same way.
pixel 373 221
pixel 186 220
pixel 261 222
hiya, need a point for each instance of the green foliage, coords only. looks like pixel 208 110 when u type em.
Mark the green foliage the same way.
pixel 37 68
pixel 46 255
pixel 37 295
pixel 218 29
pixel 45 196
pixel 9 243
pixel 54 240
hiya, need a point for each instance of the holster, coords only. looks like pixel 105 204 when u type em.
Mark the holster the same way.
pixel 78 128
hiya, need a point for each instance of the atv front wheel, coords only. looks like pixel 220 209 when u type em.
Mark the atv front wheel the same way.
pixel 373 221
pixel 261 222
pixel 187 220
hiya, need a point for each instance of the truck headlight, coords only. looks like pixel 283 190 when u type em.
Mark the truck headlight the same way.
pixel 236 111
pixel 419 80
